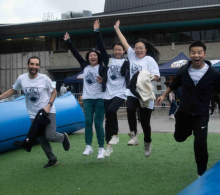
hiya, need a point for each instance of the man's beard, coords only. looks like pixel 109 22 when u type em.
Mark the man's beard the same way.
pixel 31 73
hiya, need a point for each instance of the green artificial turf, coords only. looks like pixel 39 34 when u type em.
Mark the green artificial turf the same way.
pixel 170 168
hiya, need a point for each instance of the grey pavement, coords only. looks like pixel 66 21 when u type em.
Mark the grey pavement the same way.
pixel 161 123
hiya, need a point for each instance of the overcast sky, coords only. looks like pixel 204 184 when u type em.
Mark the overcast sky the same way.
pixel 22 11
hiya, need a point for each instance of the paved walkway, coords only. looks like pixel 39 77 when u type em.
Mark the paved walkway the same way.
pixel 161 123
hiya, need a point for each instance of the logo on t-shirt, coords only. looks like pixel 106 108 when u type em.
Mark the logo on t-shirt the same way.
pixel 32 93
pixel 135 68
pixel 90 78
pixel 115 72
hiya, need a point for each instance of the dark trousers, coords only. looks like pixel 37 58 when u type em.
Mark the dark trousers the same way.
pixel 145 115
pixel 185 125
pixel 214 99
pixel 111 122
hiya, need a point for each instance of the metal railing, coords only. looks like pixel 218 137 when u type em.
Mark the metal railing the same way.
pixel 158 93
pixel 78 96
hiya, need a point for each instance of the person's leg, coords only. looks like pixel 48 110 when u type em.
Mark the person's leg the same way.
pixel 132 104
pixel 183 126
pixel 99 117
pixel 200 143
pixel 89 108
pixel 108 132
pixel 113 120
pixel 174 107
pixel 171 108
pixel 146 114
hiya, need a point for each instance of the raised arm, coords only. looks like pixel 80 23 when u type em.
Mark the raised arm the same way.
pixel 8 93
pixel 100 43
pixel 121 36
pixel 74 51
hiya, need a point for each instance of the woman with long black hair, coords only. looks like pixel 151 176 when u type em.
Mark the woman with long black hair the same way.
pixel 143 57
pixel 114 87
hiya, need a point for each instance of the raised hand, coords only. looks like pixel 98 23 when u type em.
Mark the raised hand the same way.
pixel 117 24
pixel 96 24
pixel 66 36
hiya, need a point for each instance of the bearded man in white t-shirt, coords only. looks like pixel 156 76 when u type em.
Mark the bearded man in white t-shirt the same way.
pixel 40 93
pixel 197 79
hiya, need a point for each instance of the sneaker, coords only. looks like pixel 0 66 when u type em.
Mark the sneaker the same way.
pixel 108 151
pixel 172 116
pixel 211 114
pixel 51 163
pixel 66 142
pixel 114 140
pixel 133 140
pixel 147 148
pixel 101 153
pixel 88 150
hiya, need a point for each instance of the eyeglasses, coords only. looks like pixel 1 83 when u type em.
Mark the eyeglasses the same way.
pixel 139 48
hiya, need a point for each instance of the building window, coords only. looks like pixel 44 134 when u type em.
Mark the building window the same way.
pixel 210 35
pixel 28 44
pixel 49 43
pixel 40 44
pixel 6 46
pixel 17 45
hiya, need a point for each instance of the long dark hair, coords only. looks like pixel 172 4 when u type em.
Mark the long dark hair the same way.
pixel 151 50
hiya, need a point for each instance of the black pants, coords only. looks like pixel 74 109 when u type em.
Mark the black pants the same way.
pixel 145 115
pixel 111 122
pixel 185 125
pixel 214 99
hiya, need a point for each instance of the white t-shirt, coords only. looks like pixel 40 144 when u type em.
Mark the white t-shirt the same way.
pixel 138 64
pixel 92 89
pixel 197 74
pixel 37 92
pixel 115 86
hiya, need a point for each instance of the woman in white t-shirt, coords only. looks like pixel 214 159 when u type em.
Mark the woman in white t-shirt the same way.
pixel 143 57
pixel 93 103
pixel 113 86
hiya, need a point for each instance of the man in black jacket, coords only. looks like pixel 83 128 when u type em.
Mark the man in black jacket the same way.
pixel 197 79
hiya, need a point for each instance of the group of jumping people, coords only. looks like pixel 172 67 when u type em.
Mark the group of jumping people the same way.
pixel 106 87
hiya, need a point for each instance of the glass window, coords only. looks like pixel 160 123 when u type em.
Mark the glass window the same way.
pixel 28 44
pixel 6 46
pixel 196 35
pixel 49 43
pixel 210 35
pixel 185 36
pixel 40 44
pixel 17 45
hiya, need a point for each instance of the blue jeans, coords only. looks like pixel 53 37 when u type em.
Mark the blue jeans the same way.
pixel 94 107
pixel 173 107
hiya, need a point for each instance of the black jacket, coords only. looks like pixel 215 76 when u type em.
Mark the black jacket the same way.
pixel 105 58
pixel 195 100
pixel 83 63
pixel 37 128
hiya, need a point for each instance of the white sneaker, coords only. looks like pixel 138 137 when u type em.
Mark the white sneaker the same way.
pixel 101 153
pixel 108 151
pixel 147 148
pixel 88 150
pixel 172 116
pixel 114 140
pixel 134 139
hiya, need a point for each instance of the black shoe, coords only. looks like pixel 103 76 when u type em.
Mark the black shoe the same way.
pixel 211 114
pixel 66 142
pixel 51 163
